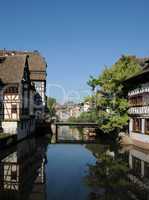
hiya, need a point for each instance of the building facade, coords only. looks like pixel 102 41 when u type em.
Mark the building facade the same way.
pixel 37 69
pixel 21 101
pixel 138 98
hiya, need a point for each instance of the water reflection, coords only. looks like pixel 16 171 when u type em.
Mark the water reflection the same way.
pixel 38 170
pixel 118 174
pixel 22 172
pixel 76 134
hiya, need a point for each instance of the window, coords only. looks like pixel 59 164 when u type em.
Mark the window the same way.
pixel 11 90
pixel 137 124
pixel 136 165
pixel 14 175
pixel 136 100
pixel 14 109
pixel 147 126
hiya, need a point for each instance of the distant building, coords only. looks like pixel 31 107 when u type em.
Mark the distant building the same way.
pixel 64 112
pixel 86 106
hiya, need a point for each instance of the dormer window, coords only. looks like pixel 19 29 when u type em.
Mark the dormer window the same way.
pixel 11 90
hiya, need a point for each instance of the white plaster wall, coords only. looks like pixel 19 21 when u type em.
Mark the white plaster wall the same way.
pixel 9 100
pixel 130 125
pixel 143 126
pixel 9 127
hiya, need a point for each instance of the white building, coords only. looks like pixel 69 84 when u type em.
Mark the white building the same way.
pixel 139 107
pixel 37 69
pixel 22 92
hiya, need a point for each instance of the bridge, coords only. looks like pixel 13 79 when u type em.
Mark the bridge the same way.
pixel 85 124
pixel 75 124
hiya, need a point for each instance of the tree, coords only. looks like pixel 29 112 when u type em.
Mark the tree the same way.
pixel 112 106
pixel 51 103
pixel 92 82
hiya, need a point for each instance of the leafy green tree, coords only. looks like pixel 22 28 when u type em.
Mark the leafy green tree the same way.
pixel 85 117
pixel 72 119
pixel 51 103
pixel 112 105
pixel 88 116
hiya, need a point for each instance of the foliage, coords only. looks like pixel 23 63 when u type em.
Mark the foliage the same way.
pixel 111 105
pixel 88 116
pixel 51 102
pixel 72 119
pixel 85 117
pixel 92 82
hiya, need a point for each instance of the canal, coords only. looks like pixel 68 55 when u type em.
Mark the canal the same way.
pixel 35 169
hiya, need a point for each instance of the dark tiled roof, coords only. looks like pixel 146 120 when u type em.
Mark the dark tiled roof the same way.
pixel 37 64
pixel 143 62
pixel 141 77
pixel 12 69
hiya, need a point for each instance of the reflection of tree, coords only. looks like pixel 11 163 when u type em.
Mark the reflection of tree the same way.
pixel 109 178
pixel 81 133
pixel 96 149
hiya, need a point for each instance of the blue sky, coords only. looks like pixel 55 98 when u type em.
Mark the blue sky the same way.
pixel 77 37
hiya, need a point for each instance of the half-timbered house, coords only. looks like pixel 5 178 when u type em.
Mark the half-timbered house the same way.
pixel 17 96
pixel 37 67
pixel 138 111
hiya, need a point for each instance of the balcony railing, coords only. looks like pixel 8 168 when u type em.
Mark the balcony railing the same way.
pixel 139 91
pixel 139 110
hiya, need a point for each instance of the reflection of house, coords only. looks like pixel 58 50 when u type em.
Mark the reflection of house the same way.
pixel 139 162
pixel 139 106
pixel 22 172
pixel 22 91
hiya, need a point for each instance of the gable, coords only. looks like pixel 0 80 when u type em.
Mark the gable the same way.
pixel 12 69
